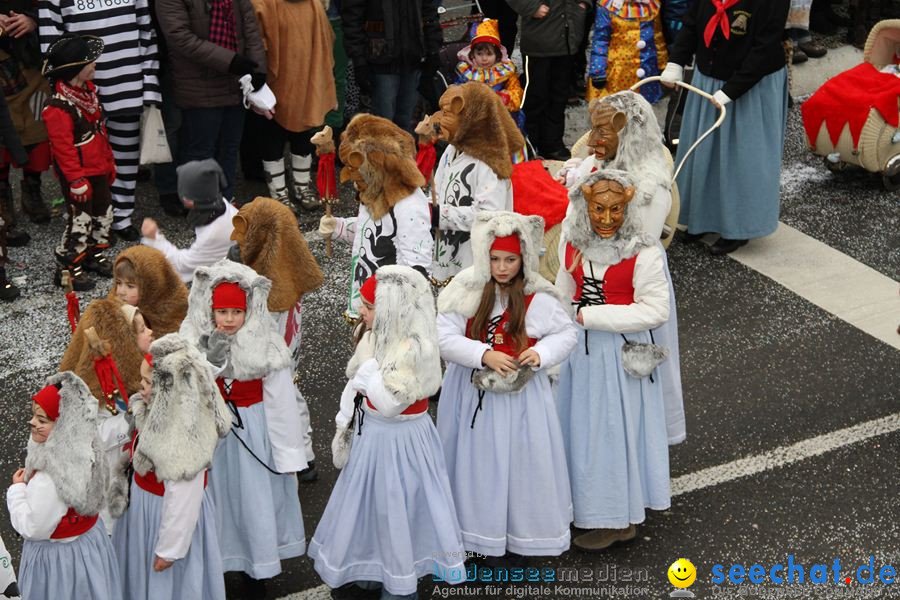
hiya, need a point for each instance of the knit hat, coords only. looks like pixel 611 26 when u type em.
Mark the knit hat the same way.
pixel 48 399
pixel 201 182
pixel 69 53
pixel 229 295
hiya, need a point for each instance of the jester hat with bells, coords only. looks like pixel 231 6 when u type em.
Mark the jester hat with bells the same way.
pixel 163 296
pixel 463 294
pixel 485 131
pixel 270 243
pixel 108 318
pixel 627 241
pixel 73 455
pixel 255 349
pixel 181 425
pixel 380 159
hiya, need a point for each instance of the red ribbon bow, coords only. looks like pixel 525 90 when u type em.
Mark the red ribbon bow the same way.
pixel 719 17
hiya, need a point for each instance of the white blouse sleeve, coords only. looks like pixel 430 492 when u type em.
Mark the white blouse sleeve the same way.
pixel 180 511
pixel 35 508
pixel 455 346
pixel 651 299
pixel 489 193
pixel 414 242
pixel 368 381
pixel 283 421
pixel 547 320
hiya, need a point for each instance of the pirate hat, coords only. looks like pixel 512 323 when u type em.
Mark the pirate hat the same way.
pixel 69 53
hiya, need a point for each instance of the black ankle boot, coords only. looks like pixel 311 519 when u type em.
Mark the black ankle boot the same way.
pixel 8 291
pixel 16 238
pixel 80 281
pixel 33 203
pixel 96 262
pixel 725 246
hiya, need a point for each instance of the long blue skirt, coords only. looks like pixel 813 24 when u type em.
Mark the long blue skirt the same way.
pixel 258 515
pixel 390 517
pixel 508 472
pixel 197 576
pixel 615 431
pixel 731 183
pixel 83 569
pixel 669 371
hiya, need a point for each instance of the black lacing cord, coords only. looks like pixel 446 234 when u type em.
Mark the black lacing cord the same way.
pixel 592 294
pixel 358 410
pixel 489 339
pixel 240 425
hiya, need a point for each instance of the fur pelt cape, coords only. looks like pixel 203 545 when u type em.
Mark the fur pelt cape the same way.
pixel 256 349
pixel 73 455
pixel 271 244
pixel 108 320
pixel 576 228
pixel 463 294
pixel 486 131
pixel 163 295
pixel 405 335
pixel 641 151
pixel 389 167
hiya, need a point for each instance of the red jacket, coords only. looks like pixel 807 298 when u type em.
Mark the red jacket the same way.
pixel 92 154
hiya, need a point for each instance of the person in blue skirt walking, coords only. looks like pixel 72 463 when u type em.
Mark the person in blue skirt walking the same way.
pixel 731 185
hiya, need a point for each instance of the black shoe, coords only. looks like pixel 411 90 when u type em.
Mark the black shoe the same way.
pixel 812 48
pixel 97 263
pixel 560 154
pixel 172 205
pixel 351 591
pixel 128 234
pixel 725 246
pixel 798 56
pixel 254 589
pixel 688 238
pixel 16 238
pixel 309 474
pixel 80 281
pixel 8 292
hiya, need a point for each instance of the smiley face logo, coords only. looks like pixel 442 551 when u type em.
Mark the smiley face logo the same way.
pixel 682 573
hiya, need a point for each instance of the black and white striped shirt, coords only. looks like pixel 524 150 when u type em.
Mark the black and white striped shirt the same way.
pixel 126 74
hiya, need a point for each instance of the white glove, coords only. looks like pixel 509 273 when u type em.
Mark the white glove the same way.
pixel 671 74
pixel 721 97
pixel 327 226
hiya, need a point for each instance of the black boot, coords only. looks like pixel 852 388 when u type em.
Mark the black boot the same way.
pixel 96 262
pixel 15 237
pixel 80 281
pixel 8 292
pixel 32 200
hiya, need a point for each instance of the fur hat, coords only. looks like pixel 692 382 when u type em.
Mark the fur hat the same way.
pixel 486 131
pixel 385 156
pixel 576 229
pixel 271 244
pixel 641 151
pixel 109 321
pixel 405 334
pixel 256 349
pixel 163 295
pixel 186 416
pixel 463 294
pixel 73 455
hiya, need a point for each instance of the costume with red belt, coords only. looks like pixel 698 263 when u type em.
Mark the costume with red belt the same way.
pixel 65 546
pixel 501 436
pixel 392 502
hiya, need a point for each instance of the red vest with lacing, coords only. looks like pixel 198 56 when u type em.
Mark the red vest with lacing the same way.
pixel 72 524
pixel 149 483
pixel 502 342
pixel 617 283
pixel 241 393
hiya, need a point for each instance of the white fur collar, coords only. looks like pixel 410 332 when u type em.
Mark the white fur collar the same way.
pixel 256 349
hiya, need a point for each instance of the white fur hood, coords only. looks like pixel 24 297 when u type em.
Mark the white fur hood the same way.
pixel 256 349
pixel 463 294
pixel 576 229
pixel 73 455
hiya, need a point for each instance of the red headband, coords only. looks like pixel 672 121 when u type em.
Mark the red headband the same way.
pixel 229 295
pixel 367 290
pixel 48 399
pixel 509 243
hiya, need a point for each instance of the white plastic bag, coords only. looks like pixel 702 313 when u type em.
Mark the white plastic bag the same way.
pixel 154 145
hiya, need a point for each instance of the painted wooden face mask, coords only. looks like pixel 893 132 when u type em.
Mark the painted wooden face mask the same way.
pixel 606 203
pixel 606 123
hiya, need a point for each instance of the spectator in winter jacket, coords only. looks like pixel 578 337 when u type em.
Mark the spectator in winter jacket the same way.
pixel 212 44
pixel 11 143
pixel 391 51
pixel 82 156
pixel 551 35
pixel 673 12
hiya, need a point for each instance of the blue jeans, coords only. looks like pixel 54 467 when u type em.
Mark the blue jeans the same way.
pixel 214 133
pixel 394 96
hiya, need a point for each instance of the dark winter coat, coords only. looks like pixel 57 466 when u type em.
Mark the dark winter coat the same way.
pixel 26 49
pixel 557 34
pixel 9 139
pixel 388 34
pixel 200 67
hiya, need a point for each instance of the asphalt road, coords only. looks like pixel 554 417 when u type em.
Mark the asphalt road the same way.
pixel 764 371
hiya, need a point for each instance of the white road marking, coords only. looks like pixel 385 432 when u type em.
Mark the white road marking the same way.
pixel 846 288
pixel 737 469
